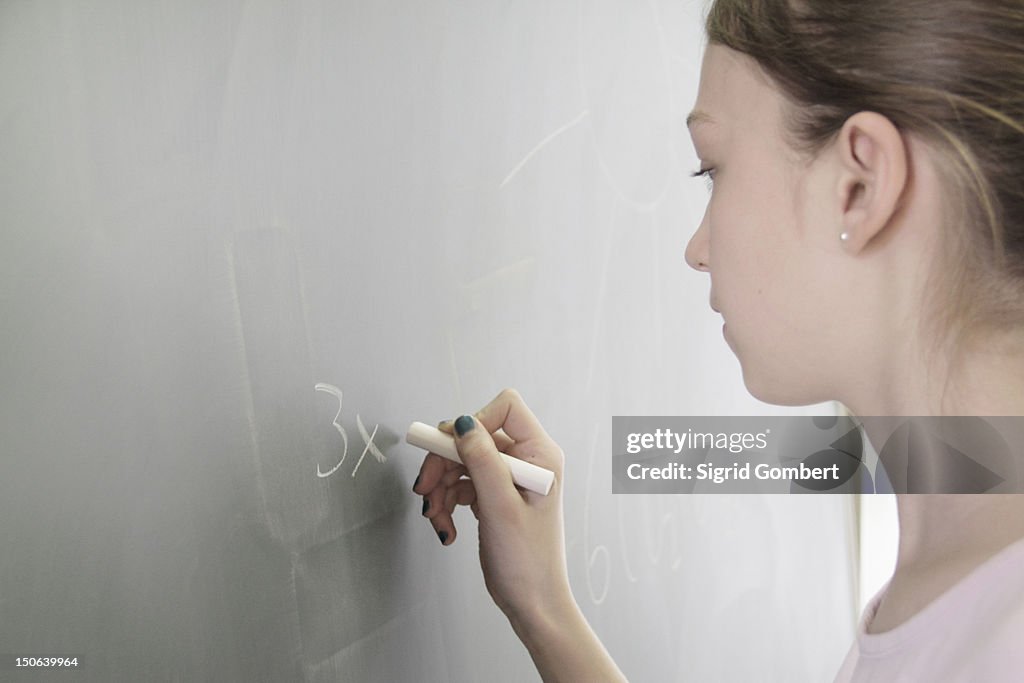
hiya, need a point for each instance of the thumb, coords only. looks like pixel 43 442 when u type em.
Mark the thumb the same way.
pixel 491 476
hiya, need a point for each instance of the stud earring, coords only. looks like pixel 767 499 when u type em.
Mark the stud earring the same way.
pixel 844 237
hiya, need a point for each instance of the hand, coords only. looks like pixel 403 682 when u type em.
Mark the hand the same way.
pixel 521 533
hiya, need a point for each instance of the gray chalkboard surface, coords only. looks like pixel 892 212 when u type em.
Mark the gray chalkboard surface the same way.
pixel 243 241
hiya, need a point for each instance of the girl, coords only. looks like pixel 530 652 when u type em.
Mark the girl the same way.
pixel 865 243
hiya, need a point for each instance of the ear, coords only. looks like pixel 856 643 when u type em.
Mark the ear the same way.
pixel 872 177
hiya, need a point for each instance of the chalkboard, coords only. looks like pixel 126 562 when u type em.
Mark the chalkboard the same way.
pixel 245 244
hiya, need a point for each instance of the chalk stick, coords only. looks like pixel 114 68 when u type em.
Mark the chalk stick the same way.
pixel 524 474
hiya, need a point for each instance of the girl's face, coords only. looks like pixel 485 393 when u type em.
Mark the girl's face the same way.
pixel 769 238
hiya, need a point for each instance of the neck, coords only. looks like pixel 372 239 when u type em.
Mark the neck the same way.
pixel 953 533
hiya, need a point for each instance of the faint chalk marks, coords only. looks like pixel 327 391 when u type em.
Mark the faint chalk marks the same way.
pixel 655 258
pixel 621 73
pixel 540 145
pixel 274 376
pixel 667 57
pixel 602 295
pixel 598 591
pixel 367 437
pixel 455 368
pixel 623 541
pixel 514 275
pixel 354 588
pixel 492 301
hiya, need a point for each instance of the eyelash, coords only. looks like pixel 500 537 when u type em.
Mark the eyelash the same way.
pixel 709 179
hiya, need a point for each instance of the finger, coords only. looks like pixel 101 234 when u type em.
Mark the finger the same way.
pixel 509 412
pixel 544 454
pixel 502 440
pixel 432 470
pixel 433 500
pixel 453 475
pixel 450 476
pixel 489 473
pixel 461 493
pixel 444 527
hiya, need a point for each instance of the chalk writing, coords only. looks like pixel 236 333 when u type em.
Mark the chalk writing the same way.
pixel 623 538
pixel 540 145
pixel 367 437
pixel 597 592
pixel 370 446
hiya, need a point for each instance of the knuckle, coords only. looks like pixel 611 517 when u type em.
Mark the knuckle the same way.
pixel 511 394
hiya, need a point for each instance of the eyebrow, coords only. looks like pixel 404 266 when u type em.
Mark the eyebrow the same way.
pixel 697 116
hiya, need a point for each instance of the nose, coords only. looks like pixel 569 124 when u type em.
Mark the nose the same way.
pixel 698 250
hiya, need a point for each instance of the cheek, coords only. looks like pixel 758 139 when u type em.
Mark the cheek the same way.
pixel 772 300
pixel 751 251
pixel 773 289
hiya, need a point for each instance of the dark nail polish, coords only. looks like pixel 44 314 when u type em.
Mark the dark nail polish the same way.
pixel 416 483
pixel 443 535
pixel 426 504
pixel 464 424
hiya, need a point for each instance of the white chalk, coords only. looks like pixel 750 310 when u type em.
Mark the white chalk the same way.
pixel 527 475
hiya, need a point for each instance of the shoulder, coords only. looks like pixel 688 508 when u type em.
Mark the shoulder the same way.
pixel 970 633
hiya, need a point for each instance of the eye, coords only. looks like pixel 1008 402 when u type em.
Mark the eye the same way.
pixel 708 174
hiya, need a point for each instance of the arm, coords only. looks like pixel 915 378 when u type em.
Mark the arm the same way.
pixel 521 535
pixel 564 647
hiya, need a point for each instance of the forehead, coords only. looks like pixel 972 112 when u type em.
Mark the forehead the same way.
pixel 734 97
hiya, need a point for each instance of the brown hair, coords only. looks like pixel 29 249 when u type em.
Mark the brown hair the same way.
pixel 949 71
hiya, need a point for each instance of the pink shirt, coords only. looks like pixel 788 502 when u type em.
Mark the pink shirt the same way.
pixel 972 632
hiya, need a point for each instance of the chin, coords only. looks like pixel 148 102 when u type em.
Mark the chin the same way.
pixel 775 391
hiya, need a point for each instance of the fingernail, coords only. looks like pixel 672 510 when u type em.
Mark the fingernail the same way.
pixel 463 424
pixel 426 504
pixel 442 423
pixel 416 483
pixel 443 535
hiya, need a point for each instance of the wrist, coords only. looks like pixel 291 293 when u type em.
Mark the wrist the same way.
pixel 563 646
pixel 541 618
